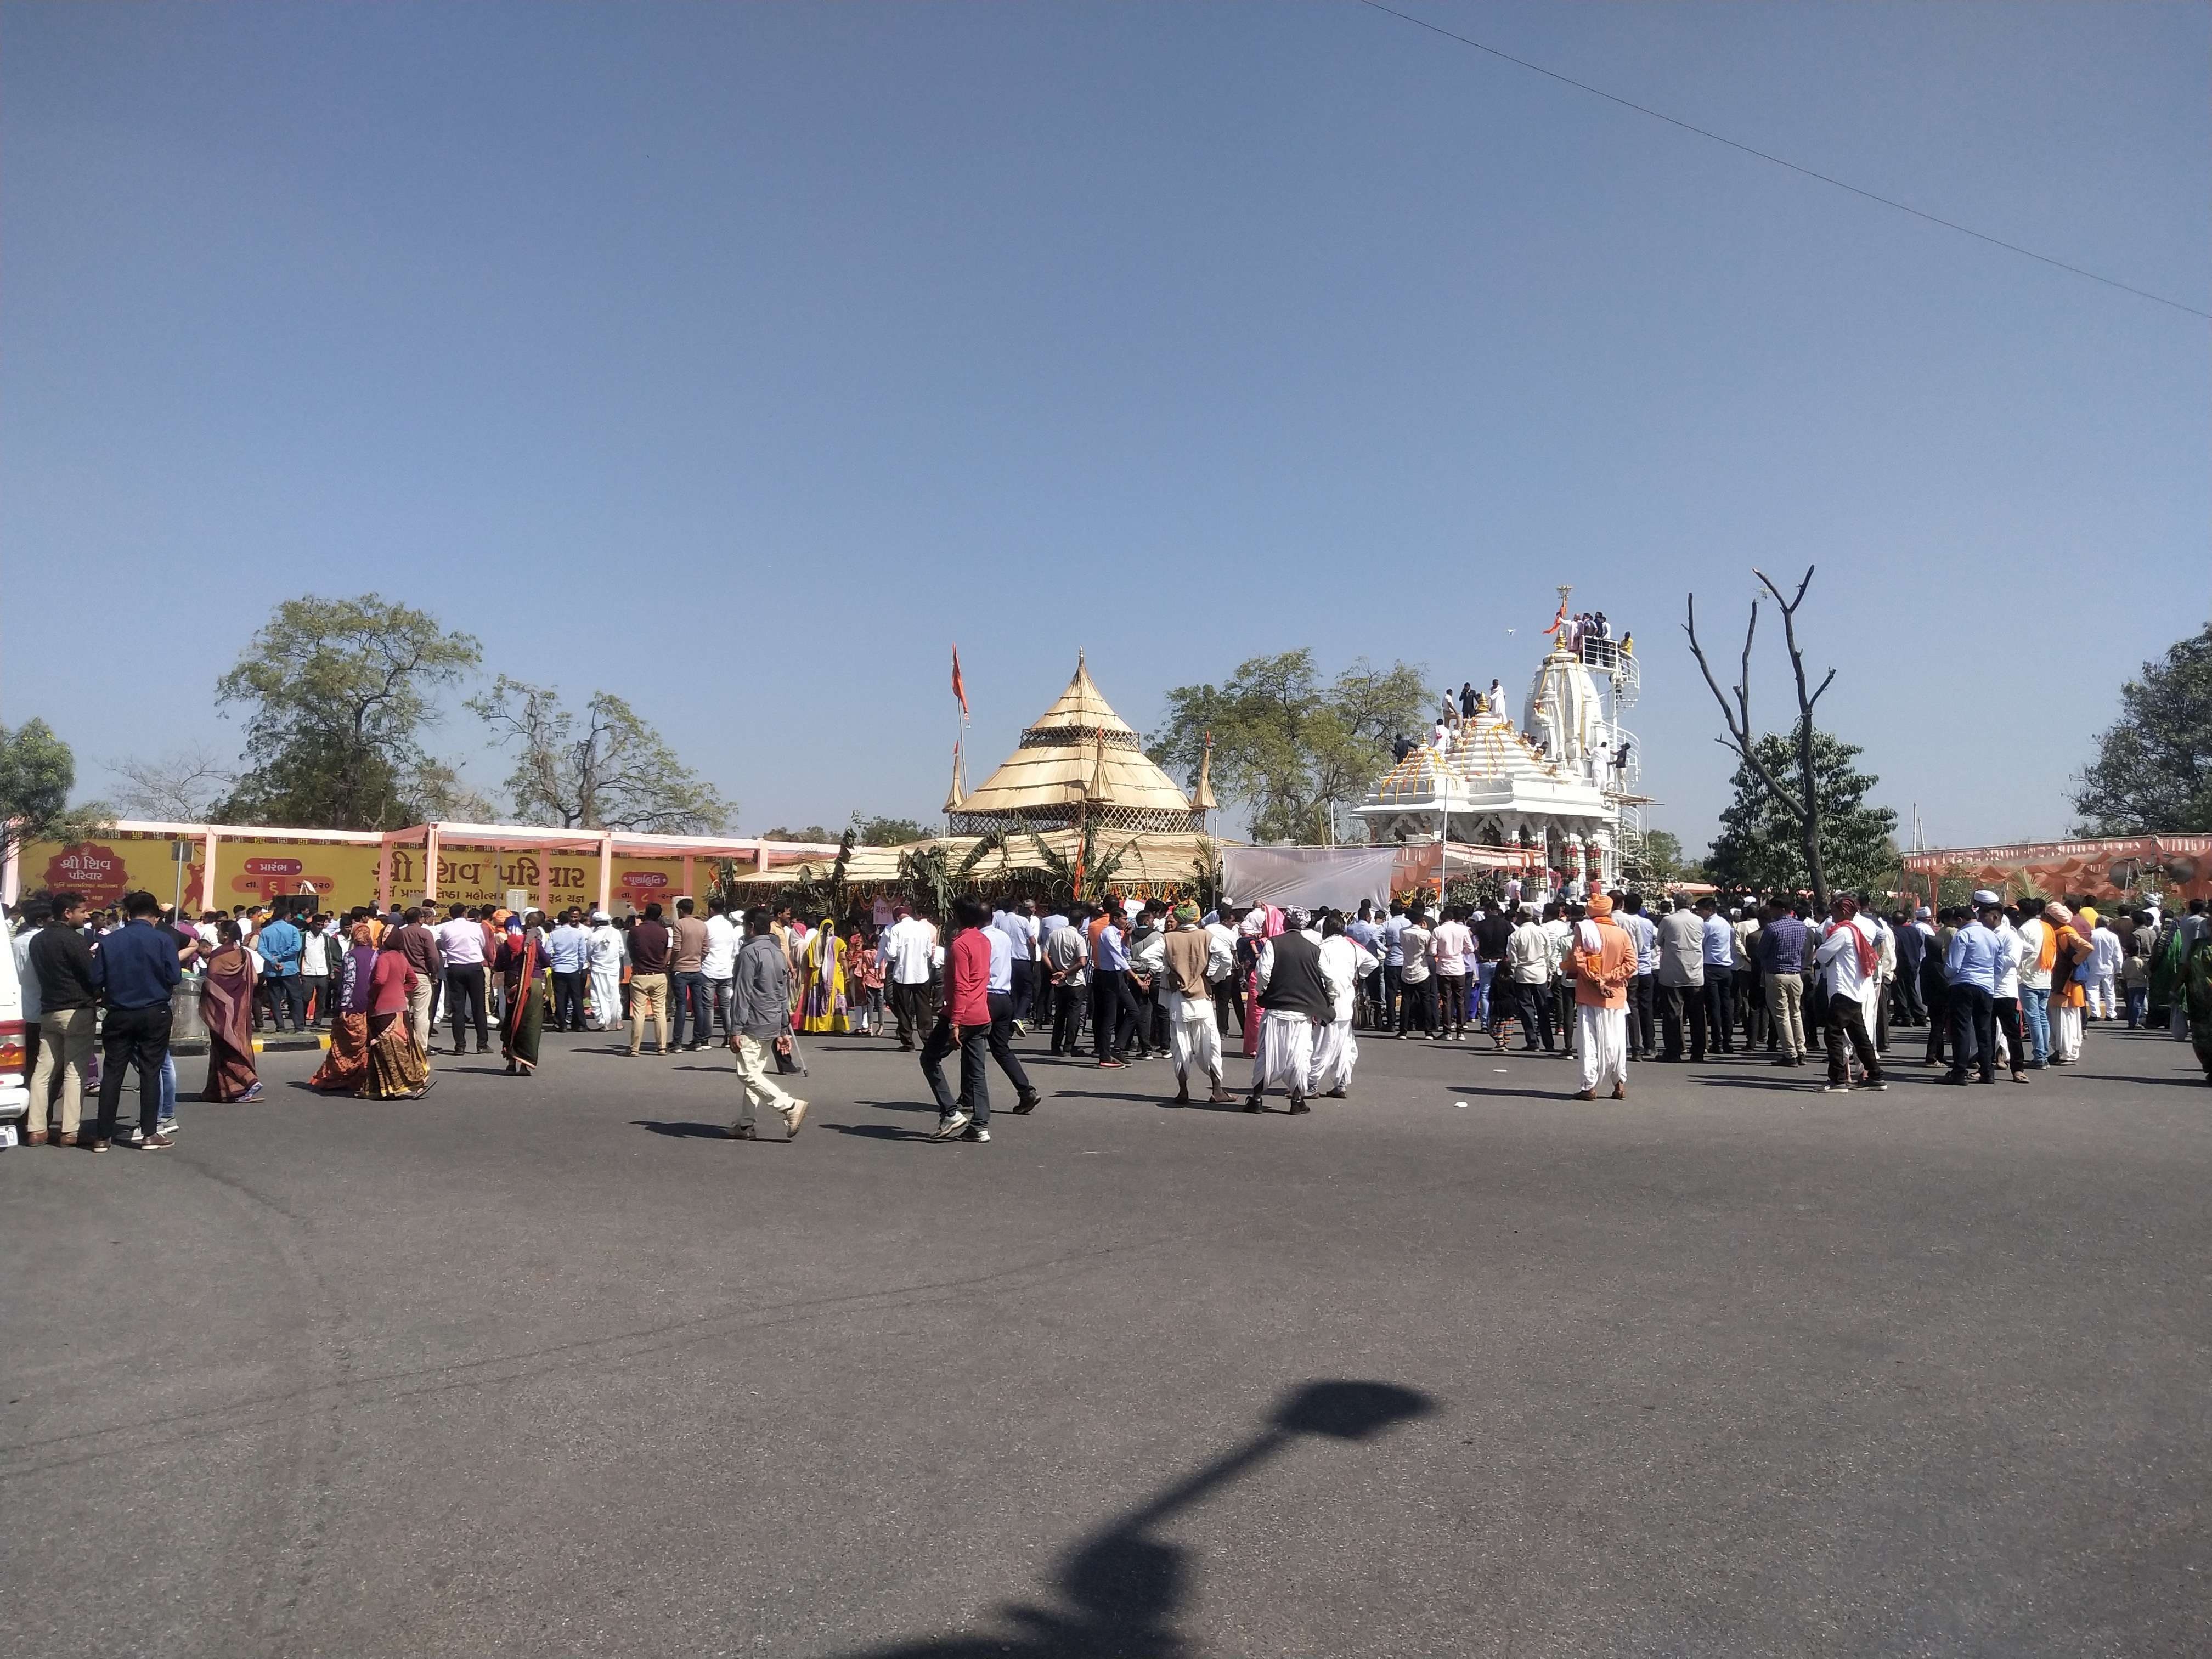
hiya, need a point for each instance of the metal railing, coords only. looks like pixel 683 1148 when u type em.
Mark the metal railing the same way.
pixel 1606 657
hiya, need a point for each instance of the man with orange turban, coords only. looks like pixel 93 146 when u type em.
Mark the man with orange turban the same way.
pixel 1603 957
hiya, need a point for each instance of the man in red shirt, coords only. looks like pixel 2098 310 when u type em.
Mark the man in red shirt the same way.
pixel 965 1020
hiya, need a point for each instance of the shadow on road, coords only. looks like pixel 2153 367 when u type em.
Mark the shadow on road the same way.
pixel 1124 1589
pixel 684 1131
pixel 878 1132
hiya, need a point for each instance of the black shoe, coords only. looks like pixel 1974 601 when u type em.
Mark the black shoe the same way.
pixel 1299 1106
pixel 1026 1103
pixel 1253 1104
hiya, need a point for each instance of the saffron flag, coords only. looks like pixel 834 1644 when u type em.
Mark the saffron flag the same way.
pixel 1560 621
pixel 959 690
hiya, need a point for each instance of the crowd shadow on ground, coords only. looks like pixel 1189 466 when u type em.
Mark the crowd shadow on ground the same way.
pixel 1120 1590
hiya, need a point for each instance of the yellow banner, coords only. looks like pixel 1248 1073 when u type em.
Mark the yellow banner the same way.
pixel 249 871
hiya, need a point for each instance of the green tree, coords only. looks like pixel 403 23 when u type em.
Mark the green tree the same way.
pixel 2153 769
pixel 1761 845
pixel 1287 748
pixel 602 768
pixel 813 832
pixel 887 832
pixel 1657 859
pixel 36 772
pixel 340 693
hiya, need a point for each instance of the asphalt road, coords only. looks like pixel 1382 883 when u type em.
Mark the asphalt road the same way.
pixel 548 1366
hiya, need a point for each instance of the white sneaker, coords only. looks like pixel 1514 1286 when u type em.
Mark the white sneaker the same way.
pixel 948 1127
pixel 794 1115
pixel 977 1133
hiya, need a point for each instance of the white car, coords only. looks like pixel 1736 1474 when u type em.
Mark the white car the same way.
pixel 14 1061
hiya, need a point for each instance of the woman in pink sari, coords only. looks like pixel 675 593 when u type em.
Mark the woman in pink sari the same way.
pixel 226 1006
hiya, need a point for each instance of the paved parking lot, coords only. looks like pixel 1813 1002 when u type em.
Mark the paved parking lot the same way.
pixel 1460 1366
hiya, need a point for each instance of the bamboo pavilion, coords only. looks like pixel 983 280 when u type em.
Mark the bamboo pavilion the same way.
pixel 1079 785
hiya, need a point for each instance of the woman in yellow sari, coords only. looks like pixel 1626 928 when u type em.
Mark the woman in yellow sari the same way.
pixel 821 994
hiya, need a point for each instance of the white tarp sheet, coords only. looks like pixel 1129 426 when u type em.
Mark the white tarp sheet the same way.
pixel 1311 877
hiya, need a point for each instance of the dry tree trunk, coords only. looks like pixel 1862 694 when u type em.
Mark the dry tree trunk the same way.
pixel 1803 803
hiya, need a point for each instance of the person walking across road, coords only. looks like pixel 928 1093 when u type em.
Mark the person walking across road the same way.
pixel 760 1012
pixel 999 998
pixel 965 1023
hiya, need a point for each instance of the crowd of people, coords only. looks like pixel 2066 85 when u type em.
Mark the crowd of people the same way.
pixel 2000 987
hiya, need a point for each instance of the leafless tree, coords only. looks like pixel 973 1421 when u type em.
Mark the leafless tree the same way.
pixel 601 769
pixel 179 788
pixel 1801 803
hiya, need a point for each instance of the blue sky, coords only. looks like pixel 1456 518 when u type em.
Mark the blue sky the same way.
pixel 738 359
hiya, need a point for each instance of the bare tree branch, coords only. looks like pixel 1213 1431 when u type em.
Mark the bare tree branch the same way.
pixel 1741 738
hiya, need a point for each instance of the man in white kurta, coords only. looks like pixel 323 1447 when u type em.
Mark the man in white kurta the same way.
pixel 1344 962
pixel 605 960
pixel 1193 1037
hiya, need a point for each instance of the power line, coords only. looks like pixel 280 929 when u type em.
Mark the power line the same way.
pixel 1887 202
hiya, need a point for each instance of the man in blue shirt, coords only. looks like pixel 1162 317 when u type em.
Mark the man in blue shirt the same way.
pixel 1643 1030
pixel 1973 964
pixel 1720 974
pixel 280 944
pixel 1393 947
pixel 1781 948
pixel 135 968
pixel 1113 1011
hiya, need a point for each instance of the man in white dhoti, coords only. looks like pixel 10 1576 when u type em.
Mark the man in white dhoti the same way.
pixel 1294 1004
pixel 606 959
pixel 1193 1037
pixel 1344 962
pixel 1603 957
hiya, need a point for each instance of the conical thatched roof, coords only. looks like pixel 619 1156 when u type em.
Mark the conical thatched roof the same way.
pixel 1079 750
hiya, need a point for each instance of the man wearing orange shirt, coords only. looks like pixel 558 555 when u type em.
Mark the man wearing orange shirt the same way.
pixel 1602 958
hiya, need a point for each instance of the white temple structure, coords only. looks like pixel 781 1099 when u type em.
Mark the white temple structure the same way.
pixel 1564 781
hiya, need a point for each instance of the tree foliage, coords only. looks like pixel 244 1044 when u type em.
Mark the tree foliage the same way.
pixel 1761 845
pixel 887 832
pixel 1286 747
pixel 2154 768
pixel 1657 859
pixel 601 769
pixel 36 772
pixel 340 693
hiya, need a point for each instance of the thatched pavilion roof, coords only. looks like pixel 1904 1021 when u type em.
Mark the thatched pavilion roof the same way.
pixel 1079 755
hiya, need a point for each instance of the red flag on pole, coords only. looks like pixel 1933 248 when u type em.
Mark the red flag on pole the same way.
pixel 959 690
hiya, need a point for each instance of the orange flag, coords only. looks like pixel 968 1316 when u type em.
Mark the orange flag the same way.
pixel 959 690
